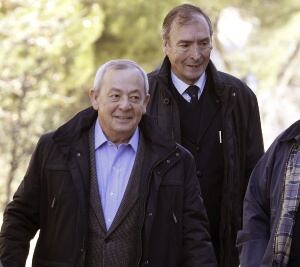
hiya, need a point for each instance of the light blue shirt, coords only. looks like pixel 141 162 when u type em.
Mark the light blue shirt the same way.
pixel 114 165
pixel 181 86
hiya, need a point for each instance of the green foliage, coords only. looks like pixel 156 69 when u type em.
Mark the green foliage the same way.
pixel 132 30
pixel 45 58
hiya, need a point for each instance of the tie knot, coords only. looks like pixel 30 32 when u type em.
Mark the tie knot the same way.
pixel 192 91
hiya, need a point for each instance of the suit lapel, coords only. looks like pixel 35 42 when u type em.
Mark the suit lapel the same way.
pixel 95 199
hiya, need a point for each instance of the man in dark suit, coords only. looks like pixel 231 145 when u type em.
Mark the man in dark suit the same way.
pixel 107 189
pixel 211 113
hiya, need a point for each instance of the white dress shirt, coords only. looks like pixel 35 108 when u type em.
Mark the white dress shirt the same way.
pixel 114 164
pixel 182 86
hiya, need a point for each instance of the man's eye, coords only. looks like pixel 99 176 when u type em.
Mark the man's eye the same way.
pixel 204 44
pixel 134 98
pixel 183 45
pixel 114 96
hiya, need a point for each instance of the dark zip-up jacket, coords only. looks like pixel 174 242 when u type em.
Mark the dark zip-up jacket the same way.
pixel 54 198
pixel 263 202
pixel 241 137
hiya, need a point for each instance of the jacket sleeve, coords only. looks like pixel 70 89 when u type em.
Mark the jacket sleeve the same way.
pixel 255 147
pixel 21 217
pixel 253 239
pixel 198 248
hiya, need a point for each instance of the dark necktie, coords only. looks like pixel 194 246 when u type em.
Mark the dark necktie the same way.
pixel 192 91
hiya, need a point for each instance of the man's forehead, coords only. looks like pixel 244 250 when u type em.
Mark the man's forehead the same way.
pixel 130 69
pixel 117 75
pixel 193 19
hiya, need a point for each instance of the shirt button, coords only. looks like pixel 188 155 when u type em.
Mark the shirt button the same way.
pixel 78 154
pixel 199 173
pixel 150 214
pixel 146 262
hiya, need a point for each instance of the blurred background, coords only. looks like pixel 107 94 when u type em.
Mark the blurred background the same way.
pixel 51 49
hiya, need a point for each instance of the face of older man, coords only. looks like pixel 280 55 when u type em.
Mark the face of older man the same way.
pixel 188 48
pixel 121 102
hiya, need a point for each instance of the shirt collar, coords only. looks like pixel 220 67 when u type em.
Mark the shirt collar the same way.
pixel 181 86
pixel 101 139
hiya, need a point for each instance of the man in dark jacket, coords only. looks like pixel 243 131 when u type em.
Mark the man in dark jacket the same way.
pixel 271 219
pixel 212 114
pixel 107 189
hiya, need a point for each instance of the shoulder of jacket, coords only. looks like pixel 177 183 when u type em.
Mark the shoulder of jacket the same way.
pixel 47 137
pixel 156 83
pixel 231 81
pixel 186 154
pixel 153 74
pixel 283 141
pixel 292 132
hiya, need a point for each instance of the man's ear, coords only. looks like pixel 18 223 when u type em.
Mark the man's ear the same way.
pixel 146 101
pixel 164 48
pixel 93 98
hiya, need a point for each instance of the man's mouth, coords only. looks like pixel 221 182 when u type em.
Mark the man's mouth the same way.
pixel 123 117
pixel 194 66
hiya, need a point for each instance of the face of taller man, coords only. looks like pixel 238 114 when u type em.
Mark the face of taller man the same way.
pixel 188 48
pixel 121 101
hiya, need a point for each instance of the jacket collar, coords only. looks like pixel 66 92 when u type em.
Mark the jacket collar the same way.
pixel 164 71
pixel 218 85
pixel 217 81
pixel 152 133
pixel 293 132
pixel 72 130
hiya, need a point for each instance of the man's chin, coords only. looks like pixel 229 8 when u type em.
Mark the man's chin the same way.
pixel 192 79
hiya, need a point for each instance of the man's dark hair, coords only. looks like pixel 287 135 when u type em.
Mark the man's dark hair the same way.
pixel 184 14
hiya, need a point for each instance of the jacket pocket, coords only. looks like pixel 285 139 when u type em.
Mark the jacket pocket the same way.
pixel 59 220
pixel 59 185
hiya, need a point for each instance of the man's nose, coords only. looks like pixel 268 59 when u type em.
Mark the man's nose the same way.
pixel 195 52
pixel 125 103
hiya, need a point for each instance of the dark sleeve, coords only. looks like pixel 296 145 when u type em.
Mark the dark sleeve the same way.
pixel 253 239
pixel 255 146
pixel 21 216
pixel 198 248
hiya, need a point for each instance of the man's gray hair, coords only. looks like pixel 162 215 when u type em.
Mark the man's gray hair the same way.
pixel 119 64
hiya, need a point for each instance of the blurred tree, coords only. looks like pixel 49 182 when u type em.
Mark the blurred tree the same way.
pixel 43 63
pixel 132 30
pixel 49 52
